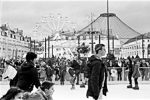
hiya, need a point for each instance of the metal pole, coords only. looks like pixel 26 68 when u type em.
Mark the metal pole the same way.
pixel 34 46
pixel 0 12
pixel 78 47
pixel 108 25
pixel 45 48
pixel 143 46
pixel 48 46
pixel 16 53
pixel 92 33
pixel 92 41
pixel 30 44
pixel 99 39
pixel 113 44
pixel 52 51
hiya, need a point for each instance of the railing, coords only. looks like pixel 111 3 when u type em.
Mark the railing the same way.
pixel 145 73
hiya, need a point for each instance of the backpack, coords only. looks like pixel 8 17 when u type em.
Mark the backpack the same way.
pixel 87 69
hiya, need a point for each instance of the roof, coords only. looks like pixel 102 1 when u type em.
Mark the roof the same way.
pixel 145 36
pixel 117 27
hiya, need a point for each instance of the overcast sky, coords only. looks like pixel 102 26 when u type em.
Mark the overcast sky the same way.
pixel 24 14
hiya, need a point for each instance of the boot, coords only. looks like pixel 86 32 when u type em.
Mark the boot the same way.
pixel 77 83
pixel 136 87
pixel 82 85
pixel 129 86
pixel 73 87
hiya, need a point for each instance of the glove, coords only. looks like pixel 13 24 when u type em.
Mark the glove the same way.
pixel 95 97
pixel 105 90
pixel 6 77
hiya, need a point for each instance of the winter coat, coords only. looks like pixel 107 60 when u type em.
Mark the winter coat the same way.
pixel 49 71
pixel 27 77
pixel 75 65
pixel 136 72
pixel 96 79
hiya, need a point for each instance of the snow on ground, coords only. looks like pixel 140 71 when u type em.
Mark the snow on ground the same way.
pixel 116 92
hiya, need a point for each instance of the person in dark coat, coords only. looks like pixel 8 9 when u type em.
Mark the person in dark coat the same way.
pixel 136 74
pixel 97 83
pixel 76 66
pixel 49 70
pixel 62 72
pixel 28 76
pixel 130 67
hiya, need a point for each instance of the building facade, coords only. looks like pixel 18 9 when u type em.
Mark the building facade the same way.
pixel 139 45
pixel 12 43
pixel 68 44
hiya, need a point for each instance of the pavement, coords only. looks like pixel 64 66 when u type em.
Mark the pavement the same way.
pixel 115 92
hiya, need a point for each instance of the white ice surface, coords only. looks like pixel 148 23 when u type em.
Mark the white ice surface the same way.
pixel 116 92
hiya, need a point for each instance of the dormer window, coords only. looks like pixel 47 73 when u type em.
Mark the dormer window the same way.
pixel 66 38
pixel 5 34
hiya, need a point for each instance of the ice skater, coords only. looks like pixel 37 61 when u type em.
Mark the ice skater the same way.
pixel 136 74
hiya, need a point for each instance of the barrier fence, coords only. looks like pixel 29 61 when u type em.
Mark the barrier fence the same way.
pixel 114 75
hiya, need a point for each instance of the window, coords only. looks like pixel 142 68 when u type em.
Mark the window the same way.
pixel 84 37
pixel 66 38
pixel 72 38
pixel 23 38
pixel 11 36
pixel 96 37
pixel 14 36
pixel 90 37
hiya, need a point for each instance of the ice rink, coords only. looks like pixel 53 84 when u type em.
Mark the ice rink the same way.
pixel 116 92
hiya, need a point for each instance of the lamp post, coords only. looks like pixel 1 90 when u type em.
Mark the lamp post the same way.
pixel 52 50
pixel 48 46
pixel 45 48
pixel 108 25
pixel 100 36
pixel 78 46
pixel 143 46
pixel 34 46
pixel 30 44
pixel 99 39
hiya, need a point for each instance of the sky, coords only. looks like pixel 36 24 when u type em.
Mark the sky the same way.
pixel 24 15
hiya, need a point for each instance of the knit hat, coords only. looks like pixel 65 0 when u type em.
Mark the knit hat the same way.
pixel 98 47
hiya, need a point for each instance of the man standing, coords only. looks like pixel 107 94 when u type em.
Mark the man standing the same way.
pixel 97 83
pixel 130 67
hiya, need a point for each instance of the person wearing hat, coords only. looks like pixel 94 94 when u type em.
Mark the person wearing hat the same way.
pixel 27 76
pixel 97 83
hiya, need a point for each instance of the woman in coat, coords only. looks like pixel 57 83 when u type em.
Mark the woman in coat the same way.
pixel 136 74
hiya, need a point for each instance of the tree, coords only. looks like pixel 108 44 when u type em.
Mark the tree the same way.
pixel 83 48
